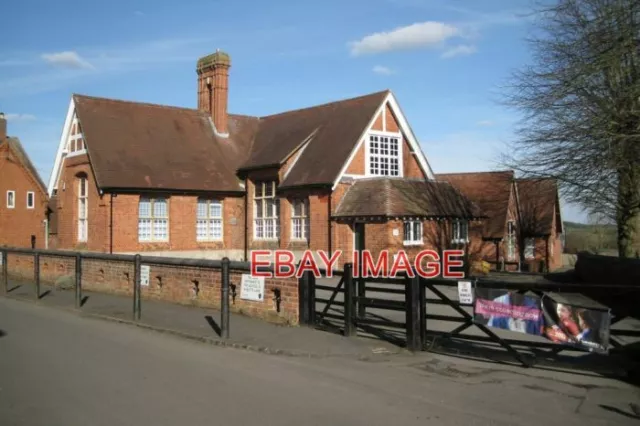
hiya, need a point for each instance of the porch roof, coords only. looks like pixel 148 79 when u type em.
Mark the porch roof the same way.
pixel 383 198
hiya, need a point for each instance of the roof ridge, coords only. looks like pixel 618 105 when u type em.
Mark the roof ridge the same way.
pixel 326 104
pixel 124 101
pixel 471 173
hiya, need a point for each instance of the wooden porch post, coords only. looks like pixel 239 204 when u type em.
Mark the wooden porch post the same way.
pixel 497 255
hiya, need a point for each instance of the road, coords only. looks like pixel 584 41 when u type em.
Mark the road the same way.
pixel 61 369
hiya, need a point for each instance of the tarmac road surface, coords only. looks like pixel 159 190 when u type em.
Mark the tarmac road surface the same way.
pixel 61 369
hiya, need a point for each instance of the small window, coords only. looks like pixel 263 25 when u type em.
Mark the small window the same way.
pixel 511 240
pixel 413 232
pixel 529 245
pixel 384 155
pixel 31 201
pixel 83 198
pixel 11 199
pixel 300 220
pixel 460 232
pixel 209 220
pixel 153 220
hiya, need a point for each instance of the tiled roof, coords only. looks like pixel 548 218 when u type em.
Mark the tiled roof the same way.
pixel 332 129
pixel 490 191
pixel 538 204
pixel 395 197
pixel 145 146
pixel 141 146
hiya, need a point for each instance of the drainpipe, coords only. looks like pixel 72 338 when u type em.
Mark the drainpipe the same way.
pixel 329 223
pixel 111 223
pixel 246 220
pixel 46 234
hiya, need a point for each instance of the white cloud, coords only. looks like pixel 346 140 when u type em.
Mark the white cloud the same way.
pixel 382 70
pixel 485 123
pixel 67 59
pixel 459 50
pixel 19 117
pixel 417 36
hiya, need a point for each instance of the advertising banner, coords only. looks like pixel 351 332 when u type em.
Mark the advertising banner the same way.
pixel 578 324
pixel 509 310
pixel 570 319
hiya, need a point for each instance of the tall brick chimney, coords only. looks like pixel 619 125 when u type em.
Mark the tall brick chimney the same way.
pixel 213 88
pixel 3 127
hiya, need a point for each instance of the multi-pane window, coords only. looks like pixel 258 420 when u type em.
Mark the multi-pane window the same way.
pixel 529 244
pixel 266 208
pixel 511 240
pixel 83 198
pixel 31 201
pixel 413 232
pixel 384 155
pixel 300 220
pixel 209 220
pixel 153 219
pixel 460 231
pixel 11 199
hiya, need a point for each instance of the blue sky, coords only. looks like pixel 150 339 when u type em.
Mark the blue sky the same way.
pixel 444 59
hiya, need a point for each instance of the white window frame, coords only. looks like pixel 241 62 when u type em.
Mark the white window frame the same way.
pixel 73 139
pixel 83 213
pixel 529 248
pixel 411 225
pixel 511 240
pixel 457 226
pixel 209 222
pixel 153 220
pixel 261 220
pixel 11 205
pixel 369 154
pixel 300 223
pixel 33 200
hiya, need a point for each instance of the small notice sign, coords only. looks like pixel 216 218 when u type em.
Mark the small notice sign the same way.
pixel 465 292
pixel 145 272
pixel 252 288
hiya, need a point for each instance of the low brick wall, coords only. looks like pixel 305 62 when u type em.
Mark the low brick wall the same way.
pixel 183 285
pixel 598 269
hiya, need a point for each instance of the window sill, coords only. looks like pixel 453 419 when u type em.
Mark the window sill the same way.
pixel 459 241
pixel 413 243
pixel 153 241
pixel 217 240
pixel 267 239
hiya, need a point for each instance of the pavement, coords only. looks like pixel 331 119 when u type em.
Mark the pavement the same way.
pixel 59 368
pixel 203 324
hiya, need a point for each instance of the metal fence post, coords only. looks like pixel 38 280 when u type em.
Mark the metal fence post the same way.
pixel 423 313
pixel 5 272
pixel 311 297
pixel 412 301
pixel 303 299
pixel 36 273
pixel 224 302
pixel 137 260
pixel 349 301
pixel 78 281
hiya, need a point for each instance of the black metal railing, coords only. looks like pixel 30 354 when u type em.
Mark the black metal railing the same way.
pixel 225 266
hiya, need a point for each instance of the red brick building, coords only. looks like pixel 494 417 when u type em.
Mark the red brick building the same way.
pixel 524 223
pixel 135 177
pixel 23 195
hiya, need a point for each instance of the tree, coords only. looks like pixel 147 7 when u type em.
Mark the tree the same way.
pixel 580 101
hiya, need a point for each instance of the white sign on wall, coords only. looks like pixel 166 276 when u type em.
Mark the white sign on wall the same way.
pixel 252 288
pixel 465 292
pixel 145 272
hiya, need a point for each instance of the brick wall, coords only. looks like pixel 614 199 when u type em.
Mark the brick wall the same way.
pixel 18 224
pixel 182 285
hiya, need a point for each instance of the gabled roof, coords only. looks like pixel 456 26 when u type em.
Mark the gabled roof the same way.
pixel 332 130
pixel 135 145
pixel 490 191
pixel 539 202
pixel 397 197
pixel 21 155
